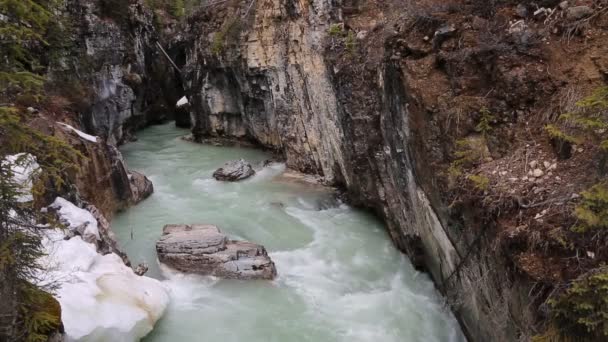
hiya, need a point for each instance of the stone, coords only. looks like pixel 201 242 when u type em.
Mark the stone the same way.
pixel 522 11
pixel 141 269
pixel 533 164
pixel 141 186
pixel 547 165
pixel 442 34
pixel 563 5
pixel 234 171
pixel 203 249
pixel 361 35
pixel 578 12
pixel 538 173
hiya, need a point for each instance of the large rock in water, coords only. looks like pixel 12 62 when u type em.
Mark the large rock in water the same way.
pixel 203 249
pixel 141 186
pixel 234 171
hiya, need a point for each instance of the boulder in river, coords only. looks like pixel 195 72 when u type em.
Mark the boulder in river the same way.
pixel 203 249
pixel 141 186
pixel 233 171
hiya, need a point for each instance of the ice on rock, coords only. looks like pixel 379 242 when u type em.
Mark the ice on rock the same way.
pixel 101 298
pixel 77 219
pixel 81 134
pixel 23 167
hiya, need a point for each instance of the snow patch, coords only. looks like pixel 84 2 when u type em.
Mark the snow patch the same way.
pixel 77 219
pixel 80 133
pixel 182 102
pixel 101 298
pixel 23 167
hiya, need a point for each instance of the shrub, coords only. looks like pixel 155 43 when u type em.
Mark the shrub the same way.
pixel 592 212
pixel 480 182
pixel 582 310
pixel 485 122
pixel 587 123
pixel 335 30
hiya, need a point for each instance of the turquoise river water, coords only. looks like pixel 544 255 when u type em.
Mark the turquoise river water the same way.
pixel 339 276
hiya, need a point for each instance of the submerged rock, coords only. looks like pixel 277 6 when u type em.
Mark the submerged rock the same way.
pixel 234 171
pixel 205 250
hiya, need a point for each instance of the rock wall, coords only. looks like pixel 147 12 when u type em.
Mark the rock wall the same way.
pixel 351 92
pixel 112 57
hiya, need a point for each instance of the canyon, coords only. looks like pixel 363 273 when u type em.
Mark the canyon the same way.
pixel 374 98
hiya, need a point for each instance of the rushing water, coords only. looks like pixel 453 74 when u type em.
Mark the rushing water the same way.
pixel 340 278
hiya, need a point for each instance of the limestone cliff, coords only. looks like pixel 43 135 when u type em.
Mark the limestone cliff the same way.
pixel 372 95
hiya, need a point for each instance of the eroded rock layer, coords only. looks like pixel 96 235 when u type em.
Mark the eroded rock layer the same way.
pixel 204 250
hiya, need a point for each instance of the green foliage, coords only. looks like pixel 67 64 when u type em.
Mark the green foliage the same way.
pixel 41 313
pixel 178 9
pixel 348 38
pixel 588 123
pixel 592 212
pixel 582 310
pixel 556 133
pixel 217 46
pixel 229 33
pixel 336 30
pixel 351 42
pixel 25 26
pixel 175 8
pixel 485 122
pixel 31 36
pixel 468 153
pixel 57 157
pixel 480 182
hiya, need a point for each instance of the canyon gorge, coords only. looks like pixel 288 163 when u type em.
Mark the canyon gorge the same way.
pixel 443 120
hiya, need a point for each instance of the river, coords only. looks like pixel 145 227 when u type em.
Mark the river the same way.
pixel 339 276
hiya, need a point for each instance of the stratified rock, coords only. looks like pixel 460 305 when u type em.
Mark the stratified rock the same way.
pixel 141 186
pixel 204 250
pixel 234 171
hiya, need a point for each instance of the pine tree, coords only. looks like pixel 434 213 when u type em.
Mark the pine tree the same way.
pixel 22 32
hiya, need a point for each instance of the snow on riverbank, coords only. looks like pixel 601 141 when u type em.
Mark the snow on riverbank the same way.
pixel 101 298
pixel 81 134
pixel 77 219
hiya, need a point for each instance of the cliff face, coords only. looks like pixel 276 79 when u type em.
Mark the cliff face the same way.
pixel 372 96
pixel 111 57
pixel 108 80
